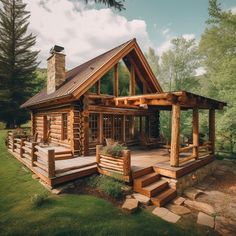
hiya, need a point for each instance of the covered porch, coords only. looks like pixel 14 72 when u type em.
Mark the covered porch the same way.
pixel 176 102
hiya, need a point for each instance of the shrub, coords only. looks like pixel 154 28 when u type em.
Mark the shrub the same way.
pixel 113 150
pixel 37 200
pixel 110 186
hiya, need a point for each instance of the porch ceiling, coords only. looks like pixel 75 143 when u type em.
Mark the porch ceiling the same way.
pixel 186 100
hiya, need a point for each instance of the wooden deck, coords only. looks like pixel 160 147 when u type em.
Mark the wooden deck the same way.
pixel 66 170
pixel 159 159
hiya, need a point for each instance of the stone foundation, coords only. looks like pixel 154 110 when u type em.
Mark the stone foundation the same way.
pixel 192 178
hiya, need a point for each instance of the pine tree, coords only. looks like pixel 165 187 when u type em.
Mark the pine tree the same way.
pixel 17 62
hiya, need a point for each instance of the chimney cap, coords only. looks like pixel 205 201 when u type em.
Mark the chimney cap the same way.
pixel 56 48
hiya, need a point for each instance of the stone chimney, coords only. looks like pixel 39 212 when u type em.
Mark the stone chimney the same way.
pixel 56 69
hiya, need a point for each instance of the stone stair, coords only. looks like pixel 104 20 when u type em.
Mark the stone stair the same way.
pixel 149 183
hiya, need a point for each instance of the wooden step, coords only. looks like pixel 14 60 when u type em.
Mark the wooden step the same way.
pixel 142 172
pixel 146 179
pixel 153 189
pixel 63 157
pixel 164 197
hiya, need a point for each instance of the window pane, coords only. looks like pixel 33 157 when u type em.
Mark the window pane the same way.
pixel 107 126
pixel 118 128
pixel 93 128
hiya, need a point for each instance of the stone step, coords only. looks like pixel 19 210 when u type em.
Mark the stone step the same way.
pixel 164 197
pixel 154 188
pixel 142 172
pixel 146 179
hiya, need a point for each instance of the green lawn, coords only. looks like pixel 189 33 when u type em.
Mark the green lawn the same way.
pixel 67 214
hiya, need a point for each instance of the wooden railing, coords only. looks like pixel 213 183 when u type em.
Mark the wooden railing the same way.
pixel 32 154
pixel 197 152
pixel 117 167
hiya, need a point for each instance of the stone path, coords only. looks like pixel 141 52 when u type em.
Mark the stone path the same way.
pixel 166 215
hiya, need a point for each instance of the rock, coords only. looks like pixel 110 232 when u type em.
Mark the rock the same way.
pixel 141 198
pixel 165 214
pixel 56 191
pixel 200 206
pixel 130 205
pixel 128 196
pixel 178 201
pixel 204 219
pixel 179 210
pixel 203 185
pixel 34 176
pixel 192 193
pixel 225 226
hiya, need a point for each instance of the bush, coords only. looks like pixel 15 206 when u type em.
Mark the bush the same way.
pixel 113 150
pixel 111 187
pixel 38 199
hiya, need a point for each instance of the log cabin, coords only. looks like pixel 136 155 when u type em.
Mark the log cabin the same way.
pixel 77 110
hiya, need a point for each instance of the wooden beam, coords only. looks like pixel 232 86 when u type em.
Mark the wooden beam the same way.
pixel 116 81
pixel 100 128
pixel 175 131
pixel 195 132
pixel 98 87
pixel 212 129
pixel 132 80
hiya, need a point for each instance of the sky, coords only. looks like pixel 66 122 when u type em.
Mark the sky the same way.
pixel 86 31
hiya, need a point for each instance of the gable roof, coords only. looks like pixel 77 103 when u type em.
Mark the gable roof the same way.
pixel 79 79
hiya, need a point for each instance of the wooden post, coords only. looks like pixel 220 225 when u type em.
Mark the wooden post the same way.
pixel 175 131
pixel 212 129
pixel 116 81
pixel 98 149
pixel 86 134
pixel 98 87
pixel 195 133
pixel 13 143
pixel 21 147
pixel 33 156
pixel 72 139
pixel 127 162
pixel 51 163
pixel 132 80
pixel 32 123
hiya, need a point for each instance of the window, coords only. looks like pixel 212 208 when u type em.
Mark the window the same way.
pixel 64 126
pixel 93 128
pixel 128 127
pixel 107 126
pixel 118 128
pixel 137 123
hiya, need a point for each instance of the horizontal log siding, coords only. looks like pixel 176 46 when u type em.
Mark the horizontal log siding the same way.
pixel 55 126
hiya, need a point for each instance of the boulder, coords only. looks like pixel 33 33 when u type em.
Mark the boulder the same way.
pixel 200 206
pixel 165 214
pixel 141 198
pixel 204 219
pixel 192 193
pixel 130 205
pixel 178 201
pixel 56 191
pixel 179 210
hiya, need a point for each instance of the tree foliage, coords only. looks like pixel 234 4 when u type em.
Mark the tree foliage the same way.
pixel 218 46
pixel 17 61
pixel 118 5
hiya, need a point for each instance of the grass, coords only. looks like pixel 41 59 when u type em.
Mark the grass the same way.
pixel 67 214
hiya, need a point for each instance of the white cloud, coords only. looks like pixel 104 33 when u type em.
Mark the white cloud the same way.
pixel 200 71
pixel 83 31
pixel 165 32
pixel 166 45
pixel 233 10
pixel 188 36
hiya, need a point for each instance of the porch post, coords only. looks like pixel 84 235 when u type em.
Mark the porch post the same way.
pixel 195 132
pixel 175 131
pixel 212 129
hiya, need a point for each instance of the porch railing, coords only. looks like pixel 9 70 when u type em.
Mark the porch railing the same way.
pixel 32 154
pixel 119 168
